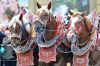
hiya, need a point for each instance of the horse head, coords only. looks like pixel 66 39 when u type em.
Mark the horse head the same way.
pixel 79 26
pixel 20 29
pixel 46 26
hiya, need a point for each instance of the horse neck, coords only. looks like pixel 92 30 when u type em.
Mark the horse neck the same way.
pixel 51 34
pixel 85 36
pixel 86 31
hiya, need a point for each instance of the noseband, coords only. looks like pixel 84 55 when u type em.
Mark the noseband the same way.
pixel 87 44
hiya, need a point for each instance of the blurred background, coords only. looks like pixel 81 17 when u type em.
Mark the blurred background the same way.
pixel 9 8
pixel 78 5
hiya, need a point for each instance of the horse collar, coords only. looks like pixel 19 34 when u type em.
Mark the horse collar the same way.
pixel 81 51
pixel 59 32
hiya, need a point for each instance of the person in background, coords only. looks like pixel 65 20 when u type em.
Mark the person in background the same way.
pixel 9 54
pixel 2 20
pixel 3 17
pixel 8 57
pixel 9 8
pixel 13 5
pixel 2 35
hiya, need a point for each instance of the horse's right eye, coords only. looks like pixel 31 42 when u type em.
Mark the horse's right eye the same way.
pixel 45 14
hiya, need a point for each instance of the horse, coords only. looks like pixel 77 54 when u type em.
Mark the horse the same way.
pixel 50 34
pixel 84 40
pixel 23 38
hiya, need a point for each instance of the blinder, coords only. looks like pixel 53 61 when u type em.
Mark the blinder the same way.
pixel 22 36
pixel 39 26
pixel 24 32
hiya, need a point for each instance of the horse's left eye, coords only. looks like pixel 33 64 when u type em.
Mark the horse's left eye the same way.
pixel 78 22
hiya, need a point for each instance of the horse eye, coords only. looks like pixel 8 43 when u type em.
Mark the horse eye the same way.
pixel 79 22
pixel 10 29
pixel 68 17
pixel 45 14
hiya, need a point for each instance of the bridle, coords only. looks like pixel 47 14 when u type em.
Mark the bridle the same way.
pixel 19 36
pixel 75 45
pixel 41 41
pixel 86 27
pixel 28 41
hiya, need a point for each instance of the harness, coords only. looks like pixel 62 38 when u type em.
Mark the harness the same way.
pixel 29 40
pixel 42 42
pixel 81 51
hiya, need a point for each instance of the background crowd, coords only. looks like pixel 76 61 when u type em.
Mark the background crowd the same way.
pixel 8 8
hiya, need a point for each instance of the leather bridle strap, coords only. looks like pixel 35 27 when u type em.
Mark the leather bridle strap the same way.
pixel 86 27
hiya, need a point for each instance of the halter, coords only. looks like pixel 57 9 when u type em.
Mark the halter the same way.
pixel 29 40
pixel 89 33
pixel 86 27
pixel 41 38
pixel 81 51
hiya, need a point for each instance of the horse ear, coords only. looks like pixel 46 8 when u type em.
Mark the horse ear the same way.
pixel 70 12
pixel 83 13
pixel 49 5
pixel 55 17
pixel 38 5
pixel 21 16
